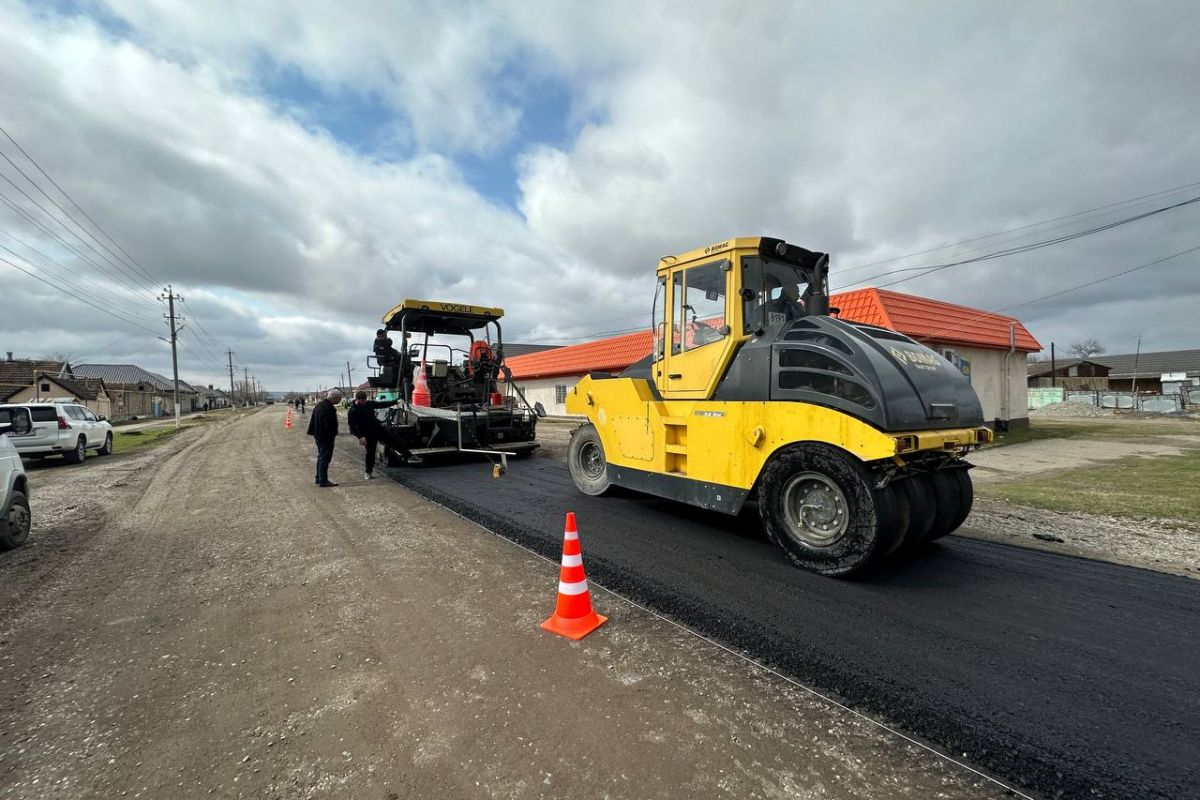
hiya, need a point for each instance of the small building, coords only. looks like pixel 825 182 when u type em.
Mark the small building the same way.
pixel 18 374
pixel 47 388
pixel 1077 374
pixel 990 349
pixel 133 391
pixel 1142 372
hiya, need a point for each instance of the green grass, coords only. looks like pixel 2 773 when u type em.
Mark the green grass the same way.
pixel 1114 428
pixel 1131 487
pixel 138 441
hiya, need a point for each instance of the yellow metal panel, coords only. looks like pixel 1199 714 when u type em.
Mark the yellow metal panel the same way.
pixel 447 308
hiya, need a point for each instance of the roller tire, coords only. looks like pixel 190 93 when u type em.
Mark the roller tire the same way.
pixel 918 490
pixel 871 515
pixel 954 497
pixel 902 518
pixel 586 461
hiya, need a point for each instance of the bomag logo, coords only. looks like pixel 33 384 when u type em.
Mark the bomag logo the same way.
pixel 713 248
pixel 918 359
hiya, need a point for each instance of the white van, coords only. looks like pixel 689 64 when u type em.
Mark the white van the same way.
pixel 15 519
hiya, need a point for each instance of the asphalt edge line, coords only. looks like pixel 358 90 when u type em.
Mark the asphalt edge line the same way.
pixel 742 656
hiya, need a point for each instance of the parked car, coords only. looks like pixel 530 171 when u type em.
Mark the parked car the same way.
pixel 65 429
pixel 15 518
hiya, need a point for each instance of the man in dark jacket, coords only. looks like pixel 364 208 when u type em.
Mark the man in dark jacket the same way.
pixel 323 427
pixel 365 425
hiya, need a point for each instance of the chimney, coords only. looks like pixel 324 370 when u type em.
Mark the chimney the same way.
pixel 10 358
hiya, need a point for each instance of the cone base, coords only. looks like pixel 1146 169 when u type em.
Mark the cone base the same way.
pixel 574 629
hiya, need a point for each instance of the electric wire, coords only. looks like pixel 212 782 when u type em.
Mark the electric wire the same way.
pixel 84 300
pixel 926 270
pixel 130 260
pixel 1074 215
pixel 4 198
pixel 124 276
pixel 1059 293
pixel 95 286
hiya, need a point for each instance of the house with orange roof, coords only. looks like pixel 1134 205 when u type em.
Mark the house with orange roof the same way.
pixel 990 348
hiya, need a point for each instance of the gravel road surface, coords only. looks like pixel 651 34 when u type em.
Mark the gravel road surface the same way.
pixel 1075 677
pixel 200 621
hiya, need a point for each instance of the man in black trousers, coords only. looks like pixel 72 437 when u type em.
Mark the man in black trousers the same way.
pixel 370 431
pixel 323 427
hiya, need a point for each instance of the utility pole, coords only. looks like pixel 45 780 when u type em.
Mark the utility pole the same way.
pixel 1053 380
pixel 1137 354
pixel 171 298
pixel 232 393
pixel 246 385
pixel 349 380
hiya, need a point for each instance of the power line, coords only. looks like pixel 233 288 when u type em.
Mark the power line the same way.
pixel 56 287
pixel 1040 223
pixel 123 272
pixel 96 284
pixel 32 160
pixel 116 279
pixel 1060 292
pixel 922 271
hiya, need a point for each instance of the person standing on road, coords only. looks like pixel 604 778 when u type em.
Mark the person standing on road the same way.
pixel 323 427
pixel 370 431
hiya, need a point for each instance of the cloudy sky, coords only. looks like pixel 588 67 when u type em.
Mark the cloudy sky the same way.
pixel 295 168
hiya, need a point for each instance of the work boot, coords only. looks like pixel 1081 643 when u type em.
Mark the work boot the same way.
pixel 414 460
pixel 326 484
pixel 368 476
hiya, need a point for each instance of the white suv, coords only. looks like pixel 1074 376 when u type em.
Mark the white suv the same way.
pixel 65 429
pixel 14 488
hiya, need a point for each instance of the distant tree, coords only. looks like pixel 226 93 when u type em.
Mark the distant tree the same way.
pixel 57 355
pixel 1086 349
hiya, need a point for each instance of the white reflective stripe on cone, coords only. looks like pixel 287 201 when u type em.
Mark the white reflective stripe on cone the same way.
pixel 572 561
pixel 578 587
pixel 570 535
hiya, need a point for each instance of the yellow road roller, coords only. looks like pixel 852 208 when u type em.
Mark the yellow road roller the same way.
pixel 849 437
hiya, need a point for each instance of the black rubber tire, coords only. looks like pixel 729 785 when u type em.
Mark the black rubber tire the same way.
pixel 585 441
pixel 106 448
pixel 918 490
pixel 77 455
pixel 897 532
pixel 953 497
pixel 871 513
pixel 15 530
pixel 958 483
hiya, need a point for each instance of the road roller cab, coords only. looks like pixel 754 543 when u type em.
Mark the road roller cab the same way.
pixel 850 437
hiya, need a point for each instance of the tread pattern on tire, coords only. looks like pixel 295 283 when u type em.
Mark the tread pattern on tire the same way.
pixel 873 513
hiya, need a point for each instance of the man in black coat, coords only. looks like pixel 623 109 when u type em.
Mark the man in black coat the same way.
pixel 323 427
pixel 365 425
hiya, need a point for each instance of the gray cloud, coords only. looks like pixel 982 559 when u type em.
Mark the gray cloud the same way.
pixel 869 135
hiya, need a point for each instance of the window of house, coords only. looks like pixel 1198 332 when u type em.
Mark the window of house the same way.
pixel 45 386
pixel 560 393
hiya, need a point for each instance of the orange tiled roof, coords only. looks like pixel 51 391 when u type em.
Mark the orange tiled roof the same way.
pixel 604 355
pixel 928 321
pixel 933 320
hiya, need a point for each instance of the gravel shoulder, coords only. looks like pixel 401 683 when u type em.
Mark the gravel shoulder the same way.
pixel 200 621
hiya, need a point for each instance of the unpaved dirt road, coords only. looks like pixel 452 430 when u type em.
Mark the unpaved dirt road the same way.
pixel 200 621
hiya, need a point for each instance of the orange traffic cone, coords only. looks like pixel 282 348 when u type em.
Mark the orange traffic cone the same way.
pixel 573 617
pixel 420 393
pixel 287 422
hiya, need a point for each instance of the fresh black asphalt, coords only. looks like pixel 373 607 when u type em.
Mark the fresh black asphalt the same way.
pixel 1067 677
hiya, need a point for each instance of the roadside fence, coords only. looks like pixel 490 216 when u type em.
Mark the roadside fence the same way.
pixel 1128 401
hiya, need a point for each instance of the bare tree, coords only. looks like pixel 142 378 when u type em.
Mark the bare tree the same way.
pixel 1086 349
pixel 57 355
